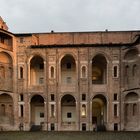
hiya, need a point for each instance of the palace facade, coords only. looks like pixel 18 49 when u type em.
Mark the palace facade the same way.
pixel 69 81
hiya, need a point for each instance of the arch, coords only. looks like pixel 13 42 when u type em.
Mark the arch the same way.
pixel 131 54
pixel 37 110
pixel 99 110
pixel 68 70
pixel 5 58
pixel 131 116
pixel 6 109
pixel 36 70
pixel 99 69
pixel 68 109
pixel 131 96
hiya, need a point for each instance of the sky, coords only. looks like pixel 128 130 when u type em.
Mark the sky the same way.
pixel 70 15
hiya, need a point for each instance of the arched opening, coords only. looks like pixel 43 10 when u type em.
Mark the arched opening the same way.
pixel 131 54
pixel 37 110
pixel 6 71
pixel 131 114
pixel 68 109
pixel 52 72
pixel 37 70
pixel 6 109
pixel 99 70
pixel 99 110
pixel 83 71
pixel 68 70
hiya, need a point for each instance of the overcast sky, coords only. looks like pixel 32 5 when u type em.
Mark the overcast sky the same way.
pixel 70 15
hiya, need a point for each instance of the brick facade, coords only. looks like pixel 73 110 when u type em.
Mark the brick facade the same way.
pixel 70 81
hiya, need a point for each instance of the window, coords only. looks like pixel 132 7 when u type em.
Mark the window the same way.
pixel 134 70
pixel 2 110
pixel 21 110
pixel 21 97
pixel 115 97
pixel 52 97
pixel 134 109
pixel 83 97
pixel 41 115
pixel 52 127
pixel 69 115
pixel 115 71
pixel 21 73
pixel 83 110
pixel 83 126
pixel 115 110
pixel 83 71
pixel 126 70
pixel 115 127
pixel 126 109
pixel 52 111
pixel 52 72
pixel 68 65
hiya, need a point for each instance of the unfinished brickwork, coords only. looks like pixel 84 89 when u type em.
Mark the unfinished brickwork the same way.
pixel 78 81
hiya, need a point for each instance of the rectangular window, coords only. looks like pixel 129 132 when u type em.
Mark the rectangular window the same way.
pixel 115 110
pixel 115 71
pixel 83 97
pixel 115 96
pixel 21 98
pixel 41 115
pixel 115 127
pixel 52 111
pixel 52 97
pixel 83 126
pixel 69 115
pixel 52 127
pixel 21 110
pixel 21 73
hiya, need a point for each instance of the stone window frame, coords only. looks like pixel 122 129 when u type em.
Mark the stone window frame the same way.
pixel 52 75
pixel 115 72
pixel 82 66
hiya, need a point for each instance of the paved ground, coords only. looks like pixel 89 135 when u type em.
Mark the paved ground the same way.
pixel 69 135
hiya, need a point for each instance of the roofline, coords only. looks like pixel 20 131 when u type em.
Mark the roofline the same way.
pixel 136 41
pixel 65 32
pixel 6 31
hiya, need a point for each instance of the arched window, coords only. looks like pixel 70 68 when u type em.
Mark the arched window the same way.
pixel 83 110
pixel 99 69
pixel 134 70
pixel 21 73
pixel 83 71
pixel 52 72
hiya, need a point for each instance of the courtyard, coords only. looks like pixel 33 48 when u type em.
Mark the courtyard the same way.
pixel 69 135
